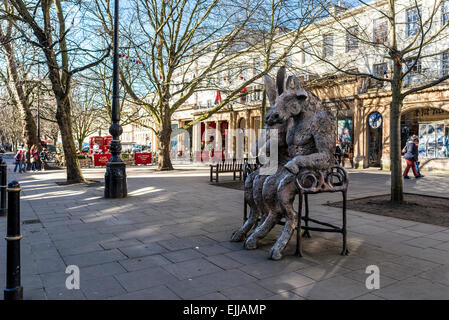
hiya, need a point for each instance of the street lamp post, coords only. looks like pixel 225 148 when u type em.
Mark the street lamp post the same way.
pixel 115 176
pixel 38 106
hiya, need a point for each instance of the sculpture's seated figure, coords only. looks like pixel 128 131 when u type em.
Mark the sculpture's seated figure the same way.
pixel 310 135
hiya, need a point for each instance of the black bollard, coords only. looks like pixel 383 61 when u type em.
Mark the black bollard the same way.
pixel 3 187
pixel 13 290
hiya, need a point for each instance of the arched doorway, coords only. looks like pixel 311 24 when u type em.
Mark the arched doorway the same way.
pixel 431 125
pixel 375 125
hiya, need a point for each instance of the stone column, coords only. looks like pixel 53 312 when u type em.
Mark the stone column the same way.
pixel 248 133
pixel 196 139
pixel 218 147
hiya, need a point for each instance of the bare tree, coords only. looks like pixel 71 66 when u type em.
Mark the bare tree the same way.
pixel 14 79
pixel 99 81
pixel 379 44
pixel 180 48
pixel 11 125
pixel 84 114
pixel 63 49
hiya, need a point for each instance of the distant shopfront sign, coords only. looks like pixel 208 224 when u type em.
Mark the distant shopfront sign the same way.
pixel 100 160
pixel 143 158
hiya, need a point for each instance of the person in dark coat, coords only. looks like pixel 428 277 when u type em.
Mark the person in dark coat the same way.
pixel 411 157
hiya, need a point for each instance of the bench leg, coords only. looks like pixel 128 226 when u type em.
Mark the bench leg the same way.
pixel 345 250
pixel 306 216
pixel 298 228
pixel 234 174
pixel 211 174
pixel 216 176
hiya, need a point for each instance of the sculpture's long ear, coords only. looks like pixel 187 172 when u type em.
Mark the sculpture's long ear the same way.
pixel 270 88
pixel 293 83
pixel 280 80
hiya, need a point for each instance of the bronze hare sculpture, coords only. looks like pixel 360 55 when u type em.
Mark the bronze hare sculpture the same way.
pixel 306 142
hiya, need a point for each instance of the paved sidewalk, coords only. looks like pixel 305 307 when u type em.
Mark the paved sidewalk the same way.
pixel 170 240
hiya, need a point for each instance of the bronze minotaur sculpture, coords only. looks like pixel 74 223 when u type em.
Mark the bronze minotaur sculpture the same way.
pixel 307 135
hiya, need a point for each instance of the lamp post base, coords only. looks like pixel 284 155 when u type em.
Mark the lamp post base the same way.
pixel 13 293
pixel 115 180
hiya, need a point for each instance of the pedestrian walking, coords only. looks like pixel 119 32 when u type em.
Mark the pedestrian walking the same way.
pixel 411 157
pixel 338 153
pixel 24 160
pixel 18 159
pixel 43 157
pixel 34 157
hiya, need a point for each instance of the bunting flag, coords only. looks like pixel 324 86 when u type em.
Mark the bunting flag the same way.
pixel 398 61
pixel 386 74
pixel 218 97
pixel 244 91
pixel 130 59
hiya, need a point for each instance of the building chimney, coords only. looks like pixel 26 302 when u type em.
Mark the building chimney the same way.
pixel 335 10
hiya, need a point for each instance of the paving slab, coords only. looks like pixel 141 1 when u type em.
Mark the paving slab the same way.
pixel 170 240
pixel 146 278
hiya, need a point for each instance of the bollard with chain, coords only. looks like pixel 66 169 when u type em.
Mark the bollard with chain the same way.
pixel 13 290
pixel 3 187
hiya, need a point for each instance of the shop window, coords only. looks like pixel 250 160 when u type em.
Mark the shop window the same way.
pixel 345 136
pixel 433 140
pixel 413 21
pixel 380 31
pixel 328 45
pixel 352 42
pixel 432 127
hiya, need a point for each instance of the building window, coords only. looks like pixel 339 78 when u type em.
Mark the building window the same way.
pixel 352 42
pixel 306 57
pixel 413 21
pixel 445 12
pixel 256 66
pixel 445 63
pixel 328 45
pixel 415 71
pixel 380 31
pixel 379 70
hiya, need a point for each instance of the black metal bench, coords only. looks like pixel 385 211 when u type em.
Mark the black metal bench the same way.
pixel 312 182
pixel 335 180
pixel 226 165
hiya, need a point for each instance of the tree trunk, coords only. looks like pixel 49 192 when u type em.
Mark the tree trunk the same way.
pixel 74 174
pixel 18 92
pixel 397 195
pixel 164 163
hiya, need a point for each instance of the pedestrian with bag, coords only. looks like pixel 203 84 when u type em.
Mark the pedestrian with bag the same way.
pixel 411 157
pixel 34 156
